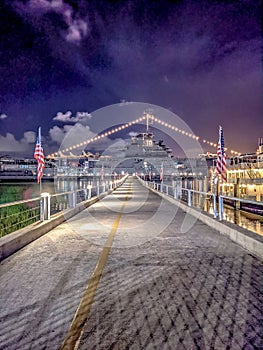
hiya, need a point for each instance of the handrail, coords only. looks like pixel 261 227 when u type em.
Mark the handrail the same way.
pixel 22 201
pixel 44 205
pixel 242 200
pixel 68 192
pixel 218 211
pixel 195 191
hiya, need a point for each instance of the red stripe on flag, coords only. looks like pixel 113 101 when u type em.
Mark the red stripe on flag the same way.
pixel 39 156
pixel 221 156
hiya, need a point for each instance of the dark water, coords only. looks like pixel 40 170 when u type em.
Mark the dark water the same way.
pixel 242 219
pixel 10 192
pixel 19 191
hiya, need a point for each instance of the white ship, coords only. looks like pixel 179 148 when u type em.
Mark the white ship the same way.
pixel 142 156
pixel 245 175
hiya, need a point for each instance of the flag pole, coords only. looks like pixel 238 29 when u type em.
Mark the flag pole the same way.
pixel 162 177
pixel 221 170
pixel 41 202
pixel 40 187
pixel 40 182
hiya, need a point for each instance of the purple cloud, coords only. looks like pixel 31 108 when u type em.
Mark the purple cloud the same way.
pixel 77 28
pixel 80 117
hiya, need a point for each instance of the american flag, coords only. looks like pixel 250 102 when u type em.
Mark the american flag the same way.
pixel 39 156
pixel 221 156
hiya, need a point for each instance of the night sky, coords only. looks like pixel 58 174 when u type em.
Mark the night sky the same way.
pixel 62 60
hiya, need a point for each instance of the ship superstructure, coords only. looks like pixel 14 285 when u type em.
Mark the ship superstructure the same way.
pixel 145 155
pixel 245 175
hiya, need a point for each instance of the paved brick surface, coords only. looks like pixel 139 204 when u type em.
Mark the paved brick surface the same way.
pixel 161 288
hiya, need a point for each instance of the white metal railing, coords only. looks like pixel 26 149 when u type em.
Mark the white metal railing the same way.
pixel 187 195
pixel 19 214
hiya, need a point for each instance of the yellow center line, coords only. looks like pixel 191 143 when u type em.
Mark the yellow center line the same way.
pixel 72 339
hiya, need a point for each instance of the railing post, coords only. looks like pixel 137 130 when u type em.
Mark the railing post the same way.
pixel 189 199
pixel 237 204
pixel 167 190
pixel 98 189
pixel 161 187
pixel 89 194
pixel 214 204
pixel 175 193
pixel 45 206
pixel 221 208
pixel 72 199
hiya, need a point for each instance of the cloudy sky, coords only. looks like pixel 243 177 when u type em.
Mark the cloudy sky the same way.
pixel 62 60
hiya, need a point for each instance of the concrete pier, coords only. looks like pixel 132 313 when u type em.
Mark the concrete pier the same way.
pixel 133 271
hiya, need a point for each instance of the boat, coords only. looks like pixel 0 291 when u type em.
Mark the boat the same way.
pixel 18 169
pixel 245 181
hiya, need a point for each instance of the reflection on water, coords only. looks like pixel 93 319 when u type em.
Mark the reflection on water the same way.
pixel 243 219
pixel 248 221
pixel 62 185
pixel 11 192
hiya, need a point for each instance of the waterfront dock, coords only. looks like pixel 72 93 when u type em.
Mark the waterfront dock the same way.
pixel 132 271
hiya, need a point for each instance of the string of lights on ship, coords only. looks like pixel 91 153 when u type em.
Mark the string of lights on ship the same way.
pixel 136 121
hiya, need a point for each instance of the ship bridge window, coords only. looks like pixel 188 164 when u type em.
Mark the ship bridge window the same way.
pixel 149 143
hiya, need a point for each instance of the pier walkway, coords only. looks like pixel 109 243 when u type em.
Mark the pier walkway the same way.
pixel 132 271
